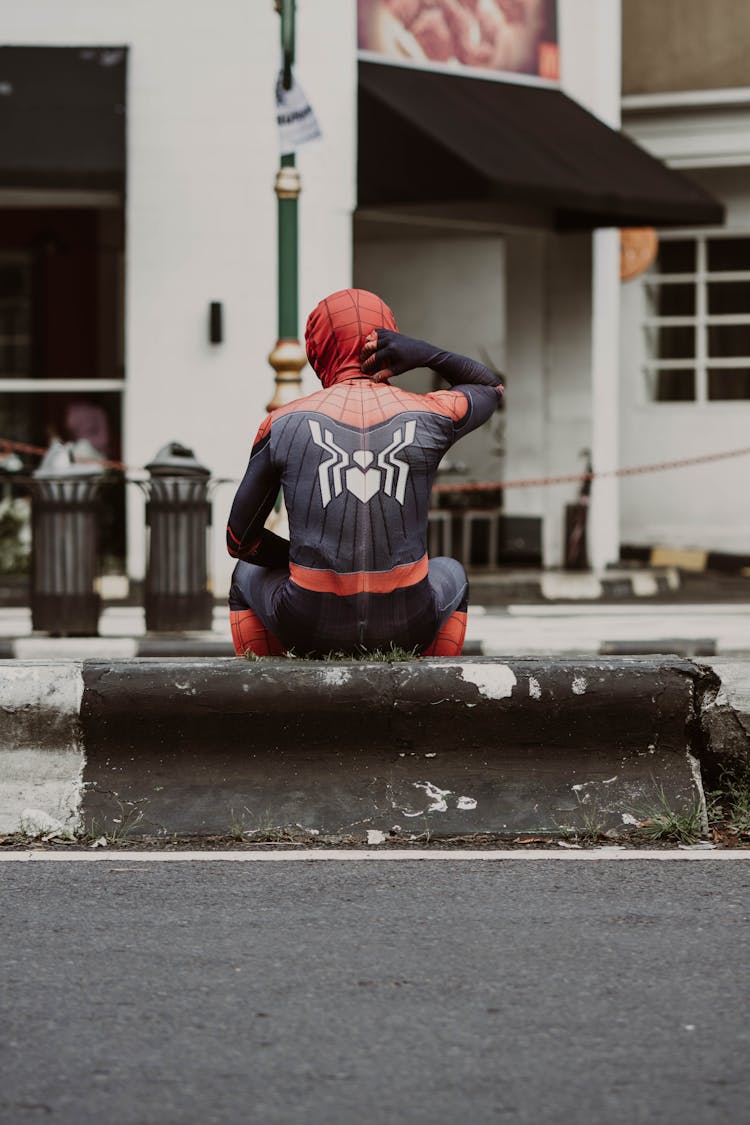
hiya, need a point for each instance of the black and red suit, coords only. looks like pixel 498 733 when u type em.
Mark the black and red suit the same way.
pixel 356 462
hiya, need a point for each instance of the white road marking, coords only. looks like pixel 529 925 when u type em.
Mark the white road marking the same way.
pixel 338 855
pixel 624 609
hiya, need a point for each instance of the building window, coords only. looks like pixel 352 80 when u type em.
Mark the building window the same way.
pixel 15 314
pixel 697 326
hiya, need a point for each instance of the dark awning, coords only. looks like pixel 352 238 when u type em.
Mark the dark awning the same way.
pixel 62 117
pixel 430 137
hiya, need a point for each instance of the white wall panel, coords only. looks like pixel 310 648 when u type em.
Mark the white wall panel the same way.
pixel 201 211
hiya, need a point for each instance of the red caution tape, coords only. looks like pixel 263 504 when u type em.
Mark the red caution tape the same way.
pixel 37 451
pixel 476 486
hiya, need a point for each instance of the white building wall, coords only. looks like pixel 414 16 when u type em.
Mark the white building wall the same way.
pixel 563 324
pixel 450 291
pixel 527 395
pixel 706 507
pixel 201 211
pixel 201 226
pixel 568 379
pixel 590 45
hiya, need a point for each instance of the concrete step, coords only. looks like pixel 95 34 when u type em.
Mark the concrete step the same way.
pixel 204 746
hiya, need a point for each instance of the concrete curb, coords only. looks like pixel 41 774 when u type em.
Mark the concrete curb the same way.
pixel 207 746
pixel 725 717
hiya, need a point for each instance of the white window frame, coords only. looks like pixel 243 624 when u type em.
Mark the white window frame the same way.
pixel 701 321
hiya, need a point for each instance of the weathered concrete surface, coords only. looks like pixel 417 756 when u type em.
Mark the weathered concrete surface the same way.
pixel 725 717
pixel 41 755
pixel 473 745
pixel 431 746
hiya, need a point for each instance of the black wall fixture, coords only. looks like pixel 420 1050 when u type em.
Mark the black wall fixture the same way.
pixel 215 322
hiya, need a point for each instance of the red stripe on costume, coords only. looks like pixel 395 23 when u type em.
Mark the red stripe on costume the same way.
pixel 249 634
pixel 452 404
pixel 263 429
pixel 449 640
pixel 359 582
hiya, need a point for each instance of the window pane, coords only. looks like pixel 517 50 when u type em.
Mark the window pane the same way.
pixel 725 340
pixel 676 300
pixel 676 343
pixel 674 386
pixel 728 254
pixel 723 384
pixel 15 351
pixel 725 297
pixel 37 418
pixel 676 257
pixel 14 356
pixel 13 283
pixel 67 309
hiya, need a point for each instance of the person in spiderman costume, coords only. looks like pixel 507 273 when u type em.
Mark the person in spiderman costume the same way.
pixel 356 461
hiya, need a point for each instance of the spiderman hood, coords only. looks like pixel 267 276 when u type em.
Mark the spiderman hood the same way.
pixel 337 329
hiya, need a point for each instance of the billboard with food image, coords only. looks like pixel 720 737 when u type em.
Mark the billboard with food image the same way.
pixel 510 37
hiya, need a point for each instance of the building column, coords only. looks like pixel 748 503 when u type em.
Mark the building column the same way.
pixel 591 49
pixel 604 511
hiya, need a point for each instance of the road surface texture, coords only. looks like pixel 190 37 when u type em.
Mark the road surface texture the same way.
pixel 327 993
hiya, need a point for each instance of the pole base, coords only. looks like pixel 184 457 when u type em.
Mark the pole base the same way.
pixel 65 615
pixel 287 359
pixel 179 613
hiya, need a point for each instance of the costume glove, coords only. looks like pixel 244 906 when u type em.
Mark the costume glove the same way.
pixel 388 353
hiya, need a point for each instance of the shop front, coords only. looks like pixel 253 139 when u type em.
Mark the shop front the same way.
pixel 490 201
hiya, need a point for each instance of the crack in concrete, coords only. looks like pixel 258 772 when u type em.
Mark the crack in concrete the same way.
pixel 720 737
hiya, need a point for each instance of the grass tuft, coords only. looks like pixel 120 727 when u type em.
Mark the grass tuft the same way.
pixel 662 822
pixel 394 654
pixel 730 803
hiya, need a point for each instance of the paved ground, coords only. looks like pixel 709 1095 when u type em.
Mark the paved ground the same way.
pixel 388 993
pixel 529 630
pixel 549 629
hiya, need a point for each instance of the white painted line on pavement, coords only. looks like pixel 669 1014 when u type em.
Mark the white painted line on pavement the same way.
pixel 623 609
pixel 75 648
pixel 339 855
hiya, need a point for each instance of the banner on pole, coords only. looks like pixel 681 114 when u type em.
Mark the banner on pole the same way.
pixel 295 117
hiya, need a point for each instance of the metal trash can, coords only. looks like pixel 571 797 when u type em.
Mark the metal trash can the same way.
pixel 178 517
pixel 64 545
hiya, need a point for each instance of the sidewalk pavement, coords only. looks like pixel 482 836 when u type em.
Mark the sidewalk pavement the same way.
pixel 628 629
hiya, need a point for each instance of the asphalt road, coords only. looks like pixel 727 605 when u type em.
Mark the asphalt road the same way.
pixel 336 993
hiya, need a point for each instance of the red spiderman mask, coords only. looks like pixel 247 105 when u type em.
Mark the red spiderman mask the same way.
pixel 337 329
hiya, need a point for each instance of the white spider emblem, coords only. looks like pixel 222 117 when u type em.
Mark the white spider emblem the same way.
pixel 358 473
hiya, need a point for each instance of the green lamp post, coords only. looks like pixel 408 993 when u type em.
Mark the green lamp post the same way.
pixel 288 356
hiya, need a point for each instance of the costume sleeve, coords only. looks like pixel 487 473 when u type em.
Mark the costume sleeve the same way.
pixel 468 406
pixel 247 539
pixel 460 371
pixel 476 389
pixel 387 353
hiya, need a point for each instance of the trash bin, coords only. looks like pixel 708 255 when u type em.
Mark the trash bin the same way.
pixel 64 544
pixel 178 516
